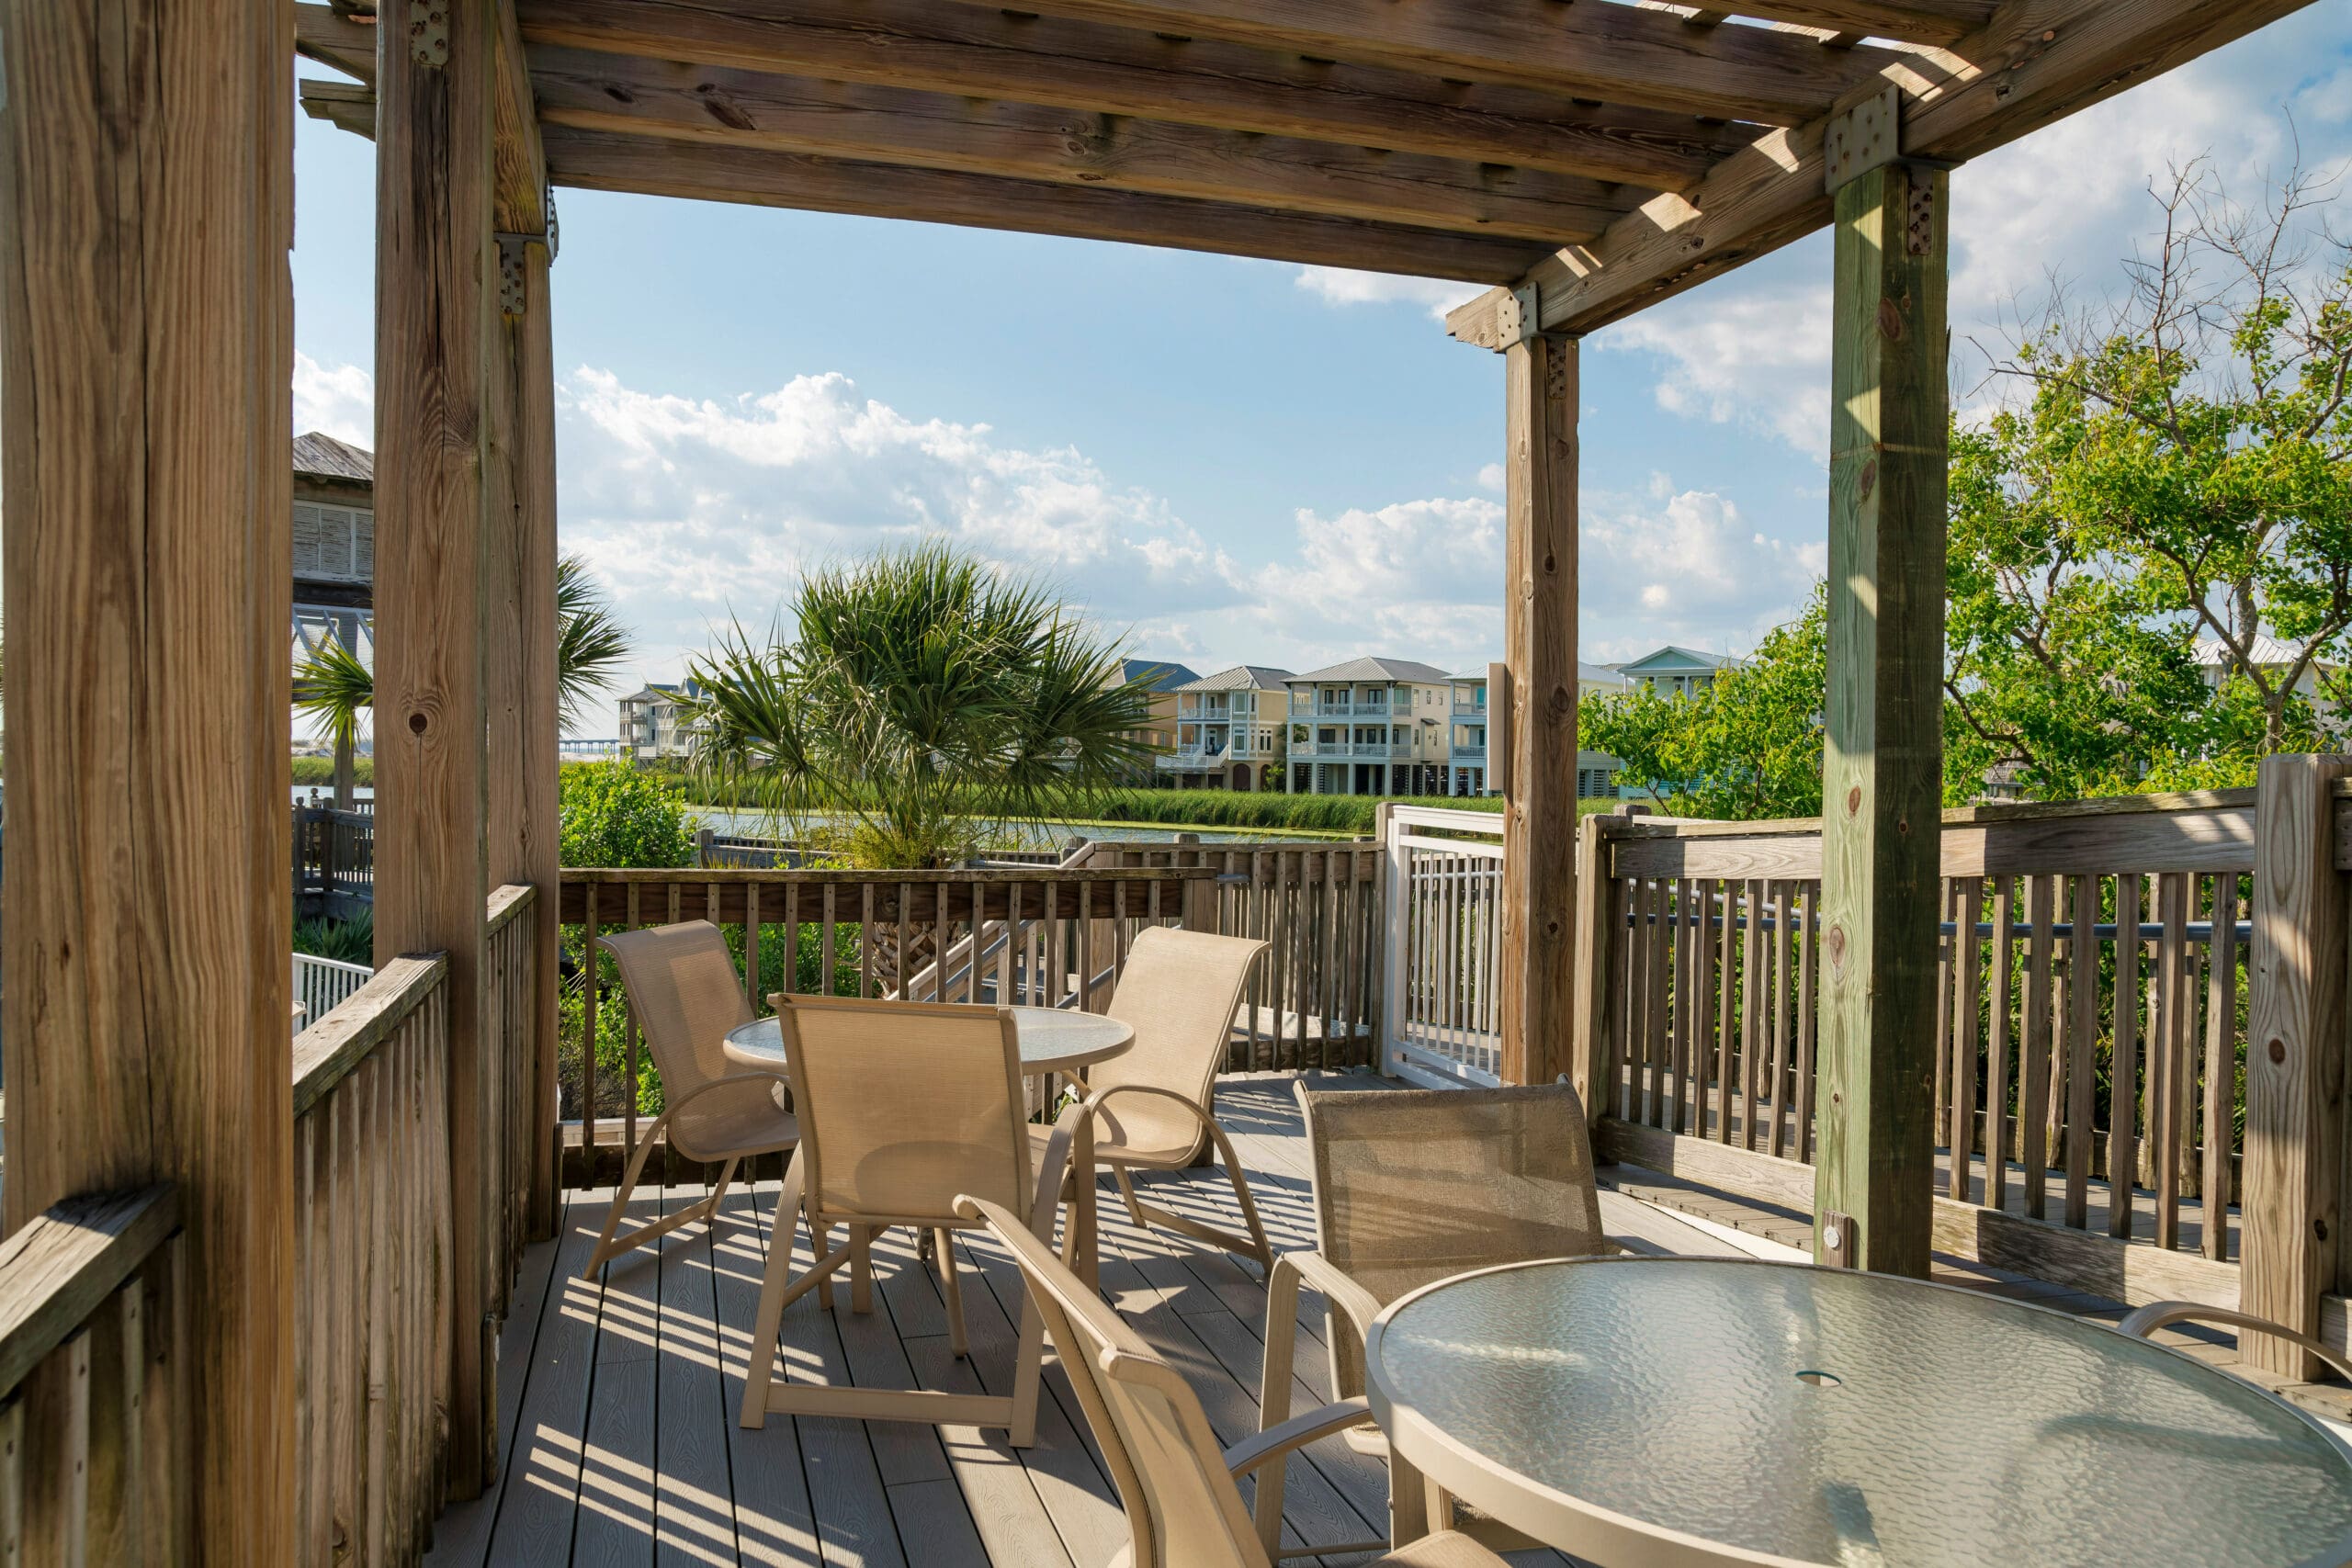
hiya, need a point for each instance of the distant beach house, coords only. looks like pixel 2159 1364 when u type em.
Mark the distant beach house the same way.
pixel 1230 730
pixel 1674 671
pixel 335 543
pixel 651 720
pixel 1371 727
pixel 1467 771
pixel 1161 677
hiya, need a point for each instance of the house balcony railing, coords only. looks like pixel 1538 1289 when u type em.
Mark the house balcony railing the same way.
pixel 1472 754
pixel 1469 710
pixel 1355 750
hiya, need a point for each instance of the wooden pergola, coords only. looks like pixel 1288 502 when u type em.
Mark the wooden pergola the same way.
pixel 1587 158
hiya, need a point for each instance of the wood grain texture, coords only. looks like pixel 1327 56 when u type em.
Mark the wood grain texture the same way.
pixel 582 90
pixel 1534 963
pixel 2034 62
pixel 1882 772
pixel 2292 1197
pixel 435 321
pixel 57 1268
pixel 1915 21
pixel 983 52
pixel 146 212
pixel 600 160
pixel 1616 53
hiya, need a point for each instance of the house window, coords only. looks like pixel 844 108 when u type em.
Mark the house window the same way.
pixel 337 543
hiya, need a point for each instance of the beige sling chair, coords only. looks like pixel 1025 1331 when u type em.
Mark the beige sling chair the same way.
pixel 683 989
pixel 1183 1507
pixel 903 1106
pixel 1414 1186
pixel 1151 1105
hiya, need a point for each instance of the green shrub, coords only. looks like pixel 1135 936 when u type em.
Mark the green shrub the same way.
pixel 611 814
pixel 320 771
pixel 349 941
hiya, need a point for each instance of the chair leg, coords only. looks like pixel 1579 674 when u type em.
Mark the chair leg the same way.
pixel 606 1247
pixel 1409 1502
pixel 1273 1402
pixel 861 1269
pixel 952 1287
pixel 1253 1245
pixel 1127 1196
pixel 718 1192
pixel 1020 1432
pixel 759 1368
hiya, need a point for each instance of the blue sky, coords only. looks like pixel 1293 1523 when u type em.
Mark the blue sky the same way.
pixel 1233 460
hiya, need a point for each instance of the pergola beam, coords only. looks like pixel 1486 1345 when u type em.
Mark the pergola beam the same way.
pixel 1913 21
pixel 900 126
pixel 984 52
pixel 2036 62
pixel 1617 54
pixel 601 160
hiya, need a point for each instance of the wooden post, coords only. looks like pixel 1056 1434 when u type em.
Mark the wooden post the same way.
pixel 1597 926
pixel 1540 645
pixel 1881 770
pixel 520 667
pixel 2296 1038
pixel 435 326
pixel 146 212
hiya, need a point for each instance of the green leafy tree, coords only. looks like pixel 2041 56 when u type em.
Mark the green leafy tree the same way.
pixel 2175 471
pixel 917 695
pixel 1747 746
pixel 610 814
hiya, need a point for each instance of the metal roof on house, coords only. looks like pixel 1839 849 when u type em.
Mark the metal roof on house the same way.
pixel 1587 676
pixel 2270 653
pixel 1375 670
pixel 320 455
pixel 1154 674
pixel 1241 678
pixel 1673 656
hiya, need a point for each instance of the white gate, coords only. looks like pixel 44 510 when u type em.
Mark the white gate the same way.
pixel 322 985
pixel 1441 1027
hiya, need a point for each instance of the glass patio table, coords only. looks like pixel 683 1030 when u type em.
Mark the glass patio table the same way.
pixel 1649 1413
pixel 1052 1040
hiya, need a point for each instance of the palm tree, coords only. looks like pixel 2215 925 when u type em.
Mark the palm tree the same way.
pixel 333 686
pixel 921 694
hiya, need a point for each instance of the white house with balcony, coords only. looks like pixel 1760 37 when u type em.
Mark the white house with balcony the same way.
pixel 1674 671
pixel 1231 729
pixel 1370 727
pixel 1467 771
pixel 653 721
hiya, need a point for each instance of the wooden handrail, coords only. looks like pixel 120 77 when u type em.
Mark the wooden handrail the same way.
pixel 57 1270
pixel 325 1052
pixel 505 902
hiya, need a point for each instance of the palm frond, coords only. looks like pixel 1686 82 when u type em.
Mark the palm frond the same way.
pixel 591 642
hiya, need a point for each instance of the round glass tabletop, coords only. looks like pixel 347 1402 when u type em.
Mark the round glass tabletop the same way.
pixel 1825 1417
pixel 1053 1040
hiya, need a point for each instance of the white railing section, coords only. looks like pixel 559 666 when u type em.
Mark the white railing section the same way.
pixel 320 986
pixel 1441 1026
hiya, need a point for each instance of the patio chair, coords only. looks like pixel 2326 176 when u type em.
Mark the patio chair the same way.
pixel 1150 1105
pixel 683 989
pixel 903 1106
pixel 1414 1186
pixel 1182 1496
pixel 2143 1322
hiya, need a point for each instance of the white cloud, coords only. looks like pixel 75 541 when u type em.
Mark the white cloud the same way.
pixel 1491 478
pixel 337 400
pixel 696 512
pixel 1683 567
pixel 1344 285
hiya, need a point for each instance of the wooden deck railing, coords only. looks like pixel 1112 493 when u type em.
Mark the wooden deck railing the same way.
pixel 334 861
pixel 95 1462
pixel 1045 936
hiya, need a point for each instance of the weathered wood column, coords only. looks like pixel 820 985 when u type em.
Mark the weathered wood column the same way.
pixel 2299 1026
pixel 1883 769
pixel 146 210
pixel 435 330
pixel 1540 646
pixel 525 724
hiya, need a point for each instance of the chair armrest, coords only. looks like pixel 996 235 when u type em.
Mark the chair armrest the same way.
pixel 1295 1433
pixel 1348 1299
pixel 2145 1322
pixel 679 1102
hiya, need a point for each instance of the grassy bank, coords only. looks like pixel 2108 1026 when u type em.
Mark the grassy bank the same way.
pixel 319 771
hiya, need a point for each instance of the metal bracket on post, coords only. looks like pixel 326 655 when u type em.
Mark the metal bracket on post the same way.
pixel 1864 133
pixel 512 295
pixel 1519 317
pixel 428 33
